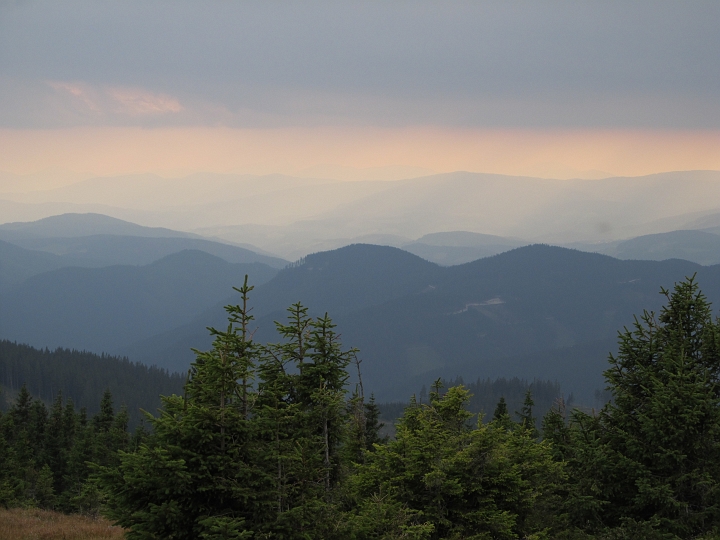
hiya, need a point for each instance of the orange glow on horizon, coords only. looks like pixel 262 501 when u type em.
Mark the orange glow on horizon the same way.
pixel 179 151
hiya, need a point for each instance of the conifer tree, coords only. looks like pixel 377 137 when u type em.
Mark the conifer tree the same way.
pixel 373 425
pixel 501 416
pixel 303 412
pixel 501 410
pixel 653 453
pixel 442 478
pixel 55 447
pixel 200 476
pixel 526 418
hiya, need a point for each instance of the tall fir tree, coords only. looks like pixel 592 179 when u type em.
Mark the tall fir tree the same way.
pixel 652 455
pixel 198 478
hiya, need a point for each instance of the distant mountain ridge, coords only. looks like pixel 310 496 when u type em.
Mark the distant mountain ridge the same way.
pixel 90 224
pixel 532 311
pixel 98 240
pixel 295 216
pixel 537 311
pixel 702 247
pixel 102 309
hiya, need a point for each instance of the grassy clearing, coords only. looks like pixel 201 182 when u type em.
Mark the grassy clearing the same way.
pixel 33 524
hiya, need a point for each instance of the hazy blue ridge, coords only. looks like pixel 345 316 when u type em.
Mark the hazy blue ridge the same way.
pixel 533 312
pixel 103 309
pixel 73 225
pixel 539 311
pixel 106 250
pixel 99 240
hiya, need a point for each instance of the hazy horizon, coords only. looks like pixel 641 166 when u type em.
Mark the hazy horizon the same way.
pixel 293 216
pixel 552 89
pixel 305 125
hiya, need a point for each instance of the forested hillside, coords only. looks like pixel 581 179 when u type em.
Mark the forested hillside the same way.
pixel 484 395
pixel 535 312
pixel 104 309
pixel 265 443
pixel 83 377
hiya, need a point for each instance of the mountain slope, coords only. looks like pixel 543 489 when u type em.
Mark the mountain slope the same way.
pixel 459 247
pixel 347 279
pixel 697 246
pixel 98 240
pixel 18 264
pixel 84 377
pixel 702 247
pixel 73 225
pixel 537 311
pixel 107 250
pixel 489 318
pixel 101 309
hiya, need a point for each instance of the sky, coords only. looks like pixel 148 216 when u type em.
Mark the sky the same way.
pixel 539 88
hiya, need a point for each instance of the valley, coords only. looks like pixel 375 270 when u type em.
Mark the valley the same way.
pixel 533 311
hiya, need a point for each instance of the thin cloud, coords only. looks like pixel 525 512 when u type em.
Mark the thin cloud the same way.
pixel 79 93
pixel 116 100
pixel 138 102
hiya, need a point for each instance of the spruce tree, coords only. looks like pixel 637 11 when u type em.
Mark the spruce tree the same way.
pixel 304 419
pixel 373 425
pixel 443 478
pixel 501 410
pixel 198 477
pixel 525 416
pixel 653 453
pixel 55 447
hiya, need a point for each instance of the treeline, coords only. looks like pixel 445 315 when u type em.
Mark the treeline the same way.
pixel 47 455
pixel 486 393
pixel 83 377
pixel 265 443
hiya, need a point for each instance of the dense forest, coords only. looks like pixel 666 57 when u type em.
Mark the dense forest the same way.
pixel 47 455
pixel 83 377
pixel 265 442
pixel 484 395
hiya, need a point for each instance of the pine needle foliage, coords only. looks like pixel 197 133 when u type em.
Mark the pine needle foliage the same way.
pixel 648 464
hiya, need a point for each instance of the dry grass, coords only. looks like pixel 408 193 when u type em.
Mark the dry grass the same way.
pixel 32 524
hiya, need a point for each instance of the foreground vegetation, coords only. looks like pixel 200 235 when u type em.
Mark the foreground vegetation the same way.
pixel 84 378
pixel 36 524
pixel 46 457
pixel 265 443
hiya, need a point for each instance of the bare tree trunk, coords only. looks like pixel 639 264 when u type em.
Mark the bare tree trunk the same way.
pixel 222 407
pixel 327 455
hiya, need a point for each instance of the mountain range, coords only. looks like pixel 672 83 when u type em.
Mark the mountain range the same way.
pixel 533 311
pixel 292 217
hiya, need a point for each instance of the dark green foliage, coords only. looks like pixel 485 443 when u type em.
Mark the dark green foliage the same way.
pixel 485 394
pixel 83 378
pixel 442 478
pixel 373 425
pixel 649 463
pixel 501 410
pixel 525 416
pixel 45 455
pixel 252 447
pixel 266 444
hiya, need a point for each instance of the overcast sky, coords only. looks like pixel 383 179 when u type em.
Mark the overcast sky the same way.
pixel 379 66
pixel 647 64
